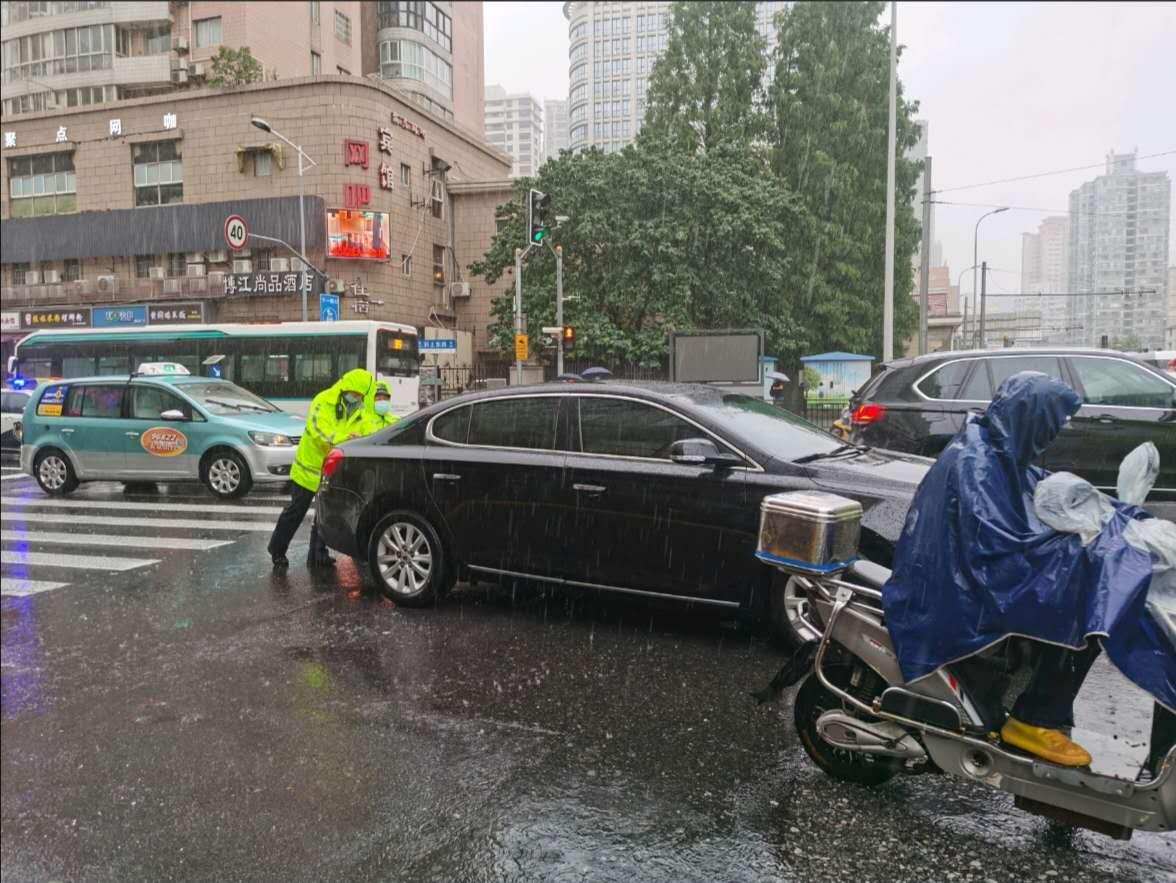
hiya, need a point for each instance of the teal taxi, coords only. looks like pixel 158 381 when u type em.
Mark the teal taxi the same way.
pixel 159 424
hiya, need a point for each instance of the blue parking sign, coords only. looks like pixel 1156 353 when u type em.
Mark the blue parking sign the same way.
pixel 328 307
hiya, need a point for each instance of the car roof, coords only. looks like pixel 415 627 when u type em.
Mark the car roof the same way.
pixel 697 394
pixel 947 355
pixel 127 378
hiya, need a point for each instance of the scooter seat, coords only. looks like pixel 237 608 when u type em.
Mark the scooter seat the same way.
pixel 867 573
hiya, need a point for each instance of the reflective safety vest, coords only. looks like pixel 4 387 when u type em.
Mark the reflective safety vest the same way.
pixel 323 423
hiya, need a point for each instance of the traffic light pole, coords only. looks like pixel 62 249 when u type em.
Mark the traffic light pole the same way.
pixel 520 253
pixel 559 353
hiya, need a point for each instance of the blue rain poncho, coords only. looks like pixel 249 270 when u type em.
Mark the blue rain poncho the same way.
pixel 975 564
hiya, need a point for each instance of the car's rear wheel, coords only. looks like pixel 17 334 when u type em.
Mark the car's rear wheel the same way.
pixel 226 474
pixel 54 473
pixel 407 560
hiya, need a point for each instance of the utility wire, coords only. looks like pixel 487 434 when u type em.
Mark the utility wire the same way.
pixel 1137 291
pixel 1048 211
pixel 1044 174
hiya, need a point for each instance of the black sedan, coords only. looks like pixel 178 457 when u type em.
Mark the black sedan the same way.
pixel 649 489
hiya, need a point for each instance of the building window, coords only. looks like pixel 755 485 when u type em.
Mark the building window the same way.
pixel 177 264
pixel 64 51
pixel 143 265
pixel 406 265
pixel 438 198
pixel 406 60
pixel 343 27
pixel 314 12
pixel 42 185
pixel 428 18
pixel 438 264
pixel 158 173
pixel 208 32
pixel 16 273
pixel 316 64
pixel 72 271
pixel 405 174
pixel 263 163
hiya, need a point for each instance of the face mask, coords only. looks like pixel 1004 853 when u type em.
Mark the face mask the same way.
pixel 383 406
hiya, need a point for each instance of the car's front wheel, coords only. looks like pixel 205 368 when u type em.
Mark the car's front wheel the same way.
pixel 54 473
pixel 407 560
pixel 226 474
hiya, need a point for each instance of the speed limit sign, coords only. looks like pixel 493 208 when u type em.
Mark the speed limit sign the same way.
pixel 236 232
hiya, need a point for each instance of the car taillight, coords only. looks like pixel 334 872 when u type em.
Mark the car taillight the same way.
pixel 333 459
pixel 867 412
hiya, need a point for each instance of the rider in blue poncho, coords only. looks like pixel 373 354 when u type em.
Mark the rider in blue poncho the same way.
pixel 975 565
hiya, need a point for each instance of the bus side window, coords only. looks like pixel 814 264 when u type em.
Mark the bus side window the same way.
pixel 77 366
pixel 252 368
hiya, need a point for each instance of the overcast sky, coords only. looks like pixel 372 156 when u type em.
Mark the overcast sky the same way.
pixel 1007 89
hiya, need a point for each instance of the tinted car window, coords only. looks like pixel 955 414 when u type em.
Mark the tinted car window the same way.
pixel 148 402
pixel 945 383
pixel 1113 382
pixel 14 402
pixel 514 423
pixel 1003 368
pixel 95 401
pixel 453 426
pixel 979 387
pixel 627 428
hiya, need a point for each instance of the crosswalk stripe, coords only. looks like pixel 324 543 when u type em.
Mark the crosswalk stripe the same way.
pixel 121 521
pixel 18 588
pixel 112 540
pixel 86 562
pixel 161 505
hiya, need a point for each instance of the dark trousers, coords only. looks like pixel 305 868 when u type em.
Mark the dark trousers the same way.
pixel 1048 698
pixel 290 519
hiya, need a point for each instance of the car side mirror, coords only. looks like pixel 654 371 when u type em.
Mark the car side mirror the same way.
pixel 172 414
pixel 701 452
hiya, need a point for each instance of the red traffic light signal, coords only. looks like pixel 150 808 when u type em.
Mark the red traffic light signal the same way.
pixel 568 338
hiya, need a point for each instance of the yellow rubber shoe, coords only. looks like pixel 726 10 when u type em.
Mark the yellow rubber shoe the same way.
pixel 1052 745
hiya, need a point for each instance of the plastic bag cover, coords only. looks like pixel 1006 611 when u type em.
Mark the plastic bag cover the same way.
pixel 975 564
pixel 1137 474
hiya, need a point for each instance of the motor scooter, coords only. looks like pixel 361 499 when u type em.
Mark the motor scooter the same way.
pixel 858 720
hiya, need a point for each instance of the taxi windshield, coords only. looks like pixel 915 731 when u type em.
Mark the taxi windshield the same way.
pixel 225 399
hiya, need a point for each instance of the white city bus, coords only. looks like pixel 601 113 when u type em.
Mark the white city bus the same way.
pixel 286 362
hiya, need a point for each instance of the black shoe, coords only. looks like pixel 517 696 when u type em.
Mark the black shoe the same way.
pixel 281 562
pixel 323 560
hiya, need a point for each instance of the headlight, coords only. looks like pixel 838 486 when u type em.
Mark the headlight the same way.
pixel 271 439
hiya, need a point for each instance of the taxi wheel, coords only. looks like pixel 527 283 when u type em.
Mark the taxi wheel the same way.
pixel 226 474
pixel 55 474
pixel 407 561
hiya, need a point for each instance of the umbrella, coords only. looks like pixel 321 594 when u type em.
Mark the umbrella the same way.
pixel 596 373
pixel 569 378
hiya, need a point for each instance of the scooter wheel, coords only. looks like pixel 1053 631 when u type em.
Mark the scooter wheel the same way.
pixel 813 700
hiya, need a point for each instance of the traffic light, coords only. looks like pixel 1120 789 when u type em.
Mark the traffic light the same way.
pixel 537 205
pixel 568 338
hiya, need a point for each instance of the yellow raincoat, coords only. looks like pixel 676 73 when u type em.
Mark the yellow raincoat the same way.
pixel 367 420
pixel 323 422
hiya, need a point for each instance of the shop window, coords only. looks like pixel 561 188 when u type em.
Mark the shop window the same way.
pixel 159 178
pixel 208 32
pixel 42 185
pixel 438 264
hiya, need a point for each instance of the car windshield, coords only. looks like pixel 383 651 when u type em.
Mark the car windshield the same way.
pixel 774 430
pixel 225 399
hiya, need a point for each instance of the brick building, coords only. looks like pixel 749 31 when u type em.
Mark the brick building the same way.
pixel 125 203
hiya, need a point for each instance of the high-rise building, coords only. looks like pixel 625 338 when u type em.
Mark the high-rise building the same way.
pixel 1170 325
pixel 1045 269
pixel 1119 226
pixel 611 51
pixel 431 50
pixel 555 127
pixel 514 125
pixel 60 55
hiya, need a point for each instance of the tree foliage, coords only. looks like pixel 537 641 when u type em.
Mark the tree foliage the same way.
pixel 234 67
pixel 703 89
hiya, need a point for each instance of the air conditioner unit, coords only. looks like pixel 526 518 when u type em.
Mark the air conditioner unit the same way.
pixel 335 286
pixel 51 277
pixel 172 286
pixel 196 257
pixel 180 44
pixel 108 284
pixel 197 69
pixel 33 277
pixel 157 273
pixel 243 266
pixel 459 289
pixel 242 253
pixel 279 265
pixel 179 75
pixel 218 257
pixel 195 269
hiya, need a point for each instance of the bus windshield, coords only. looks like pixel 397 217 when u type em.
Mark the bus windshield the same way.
pixel 396 354
pixel 225 399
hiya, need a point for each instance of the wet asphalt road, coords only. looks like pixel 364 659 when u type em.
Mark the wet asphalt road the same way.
pixel 199 718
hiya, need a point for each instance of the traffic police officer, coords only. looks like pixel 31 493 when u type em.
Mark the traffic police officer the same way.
pixel 370 419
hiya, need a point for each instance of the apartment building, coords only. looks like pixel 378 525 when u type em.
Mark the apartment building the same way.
pixel 514 125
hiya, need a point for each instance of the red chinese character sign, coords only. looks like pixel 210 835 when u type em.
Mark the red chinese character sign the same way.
pixel 355 153
pixel 356 195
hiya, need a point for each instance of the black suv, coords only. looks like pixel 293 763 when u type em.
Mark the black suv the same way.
pixel 917 405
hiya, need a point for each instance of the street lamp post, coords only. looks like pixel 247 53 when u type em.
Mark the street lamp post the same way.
pixel 959 279
pixel 976 262
pixel 266 127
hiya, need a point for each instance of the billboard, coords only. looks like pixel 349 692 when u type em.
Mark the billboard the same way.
pixel 716 356
pixel 357 235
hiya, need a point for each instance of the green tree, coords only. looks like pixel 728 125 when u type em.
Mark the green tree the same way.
pixel 703 90
pixel 828 101
pixel 234 67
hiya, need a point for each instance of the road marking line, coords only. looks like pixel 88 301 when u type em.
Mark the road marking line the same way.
pixel 87 562
pixel 120 521
pixel 19 588
pixel 104 539
pixel 154 505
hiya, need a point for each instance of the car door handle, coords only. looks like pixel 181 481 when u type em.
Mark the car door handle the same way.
pixel 131 434
pixel 1106 419
pixel 66 431
pixel 589 488
pixel 445 476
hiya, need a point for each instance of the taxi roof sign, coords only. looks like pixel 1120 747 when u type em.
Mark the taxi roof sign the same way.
pixel 159 369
